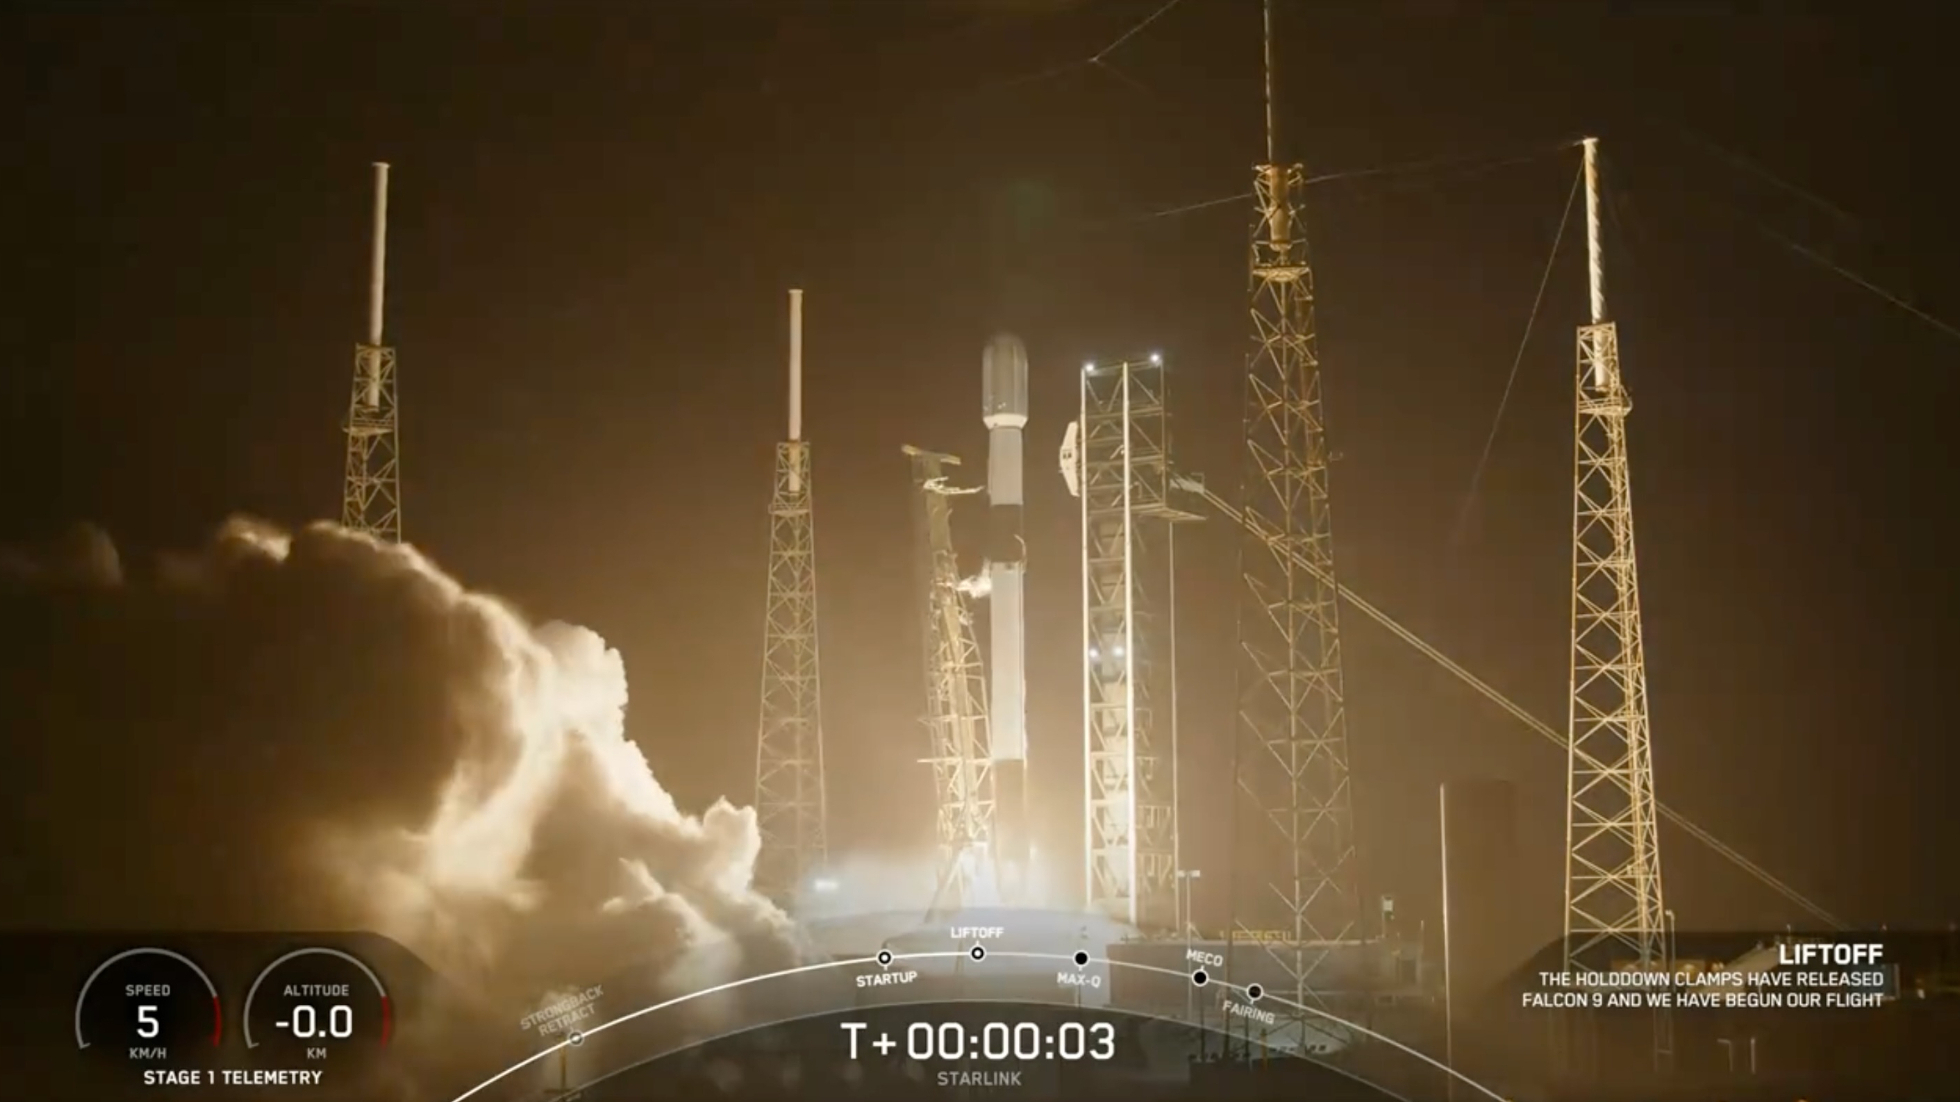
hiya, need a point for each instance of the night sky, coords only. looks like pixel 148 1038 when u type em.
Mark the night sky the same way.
pixel 597 209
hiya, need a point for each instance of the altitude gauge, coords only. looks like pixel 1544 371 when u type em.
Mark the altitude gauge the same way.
pixel 312 1004
pixel 148 1005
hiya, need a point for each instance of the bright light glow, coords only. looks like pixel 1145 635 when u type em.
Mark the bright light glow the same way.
pixel 1088 367
pixel 1095 652
pixel 1156 359
pixel 823 884
pixel 1119 650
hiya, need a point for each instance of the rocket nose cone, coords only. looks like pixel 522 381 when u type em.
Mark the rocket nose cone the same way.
pixel 1005 348
pixel 1004 377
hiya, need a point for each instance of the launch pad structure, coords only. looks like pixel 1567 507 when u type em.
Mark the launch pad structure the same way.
pixel 956 700
pixel 1297 922
pixel 1123 482
pixel 789 772
pixel 1614 908
pixel 977 716
pixel 371 491
pixel 1293 867
pixel 1297 925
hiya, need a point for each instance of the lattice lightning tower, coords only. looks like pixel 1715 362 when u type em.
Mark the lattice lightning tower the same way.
pixel 1293 868
pixel 956 701
pixel 789 780
pixel 1614 910
pixel 371 491
pixel 1128 767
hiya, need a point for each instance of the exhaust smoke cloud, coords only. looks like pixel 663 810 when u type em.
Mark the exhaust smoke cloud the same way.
pixel 311 730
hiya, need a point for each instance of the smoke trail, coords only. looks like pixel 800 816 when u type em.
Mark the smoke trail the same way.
pixel 315 731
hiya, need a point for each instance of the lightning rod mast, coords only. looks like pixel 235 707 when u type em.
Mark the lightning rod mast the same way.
pixel 371 492
pixel 789 779
pixel 1293 872
pixel 956 700
pixel 1614 910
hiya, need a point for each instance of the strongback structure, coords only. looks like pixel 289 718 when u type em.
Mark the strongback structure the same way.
pixel 1614 910
pixel 1124 482
pixel 956 701
pixel 371 491
pixel 1293 878
pixel 789 777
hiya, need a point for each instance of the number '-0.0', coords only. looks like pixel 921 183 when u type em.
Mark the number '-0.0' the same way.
pixel 304 1022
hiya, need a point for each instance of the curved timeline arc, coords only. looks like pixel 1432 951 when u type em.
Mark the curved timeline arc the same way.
pixel 746 981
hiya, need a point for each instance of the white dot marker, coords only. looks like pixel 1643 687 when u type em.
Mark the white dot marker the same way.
pixel 978 952
pixel 575 1038
pixel 884 958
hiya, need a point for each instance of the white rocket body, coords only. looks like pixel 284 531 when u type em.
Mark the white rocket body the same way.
pixel 1004 410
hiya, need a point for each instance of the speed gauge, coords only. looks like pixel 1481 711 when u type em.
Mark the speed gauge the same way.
pixel 151 1004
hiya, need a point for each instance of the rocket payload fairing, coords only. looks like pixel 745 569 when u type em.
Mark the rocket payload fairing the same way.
pixel 1004 410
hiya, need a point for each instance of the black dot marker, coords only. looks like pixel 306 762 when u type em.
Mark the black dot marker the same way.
pixel 979 952
pixel 1253 991
pixel 1081 958
pixel 1199 979
pixel 884 957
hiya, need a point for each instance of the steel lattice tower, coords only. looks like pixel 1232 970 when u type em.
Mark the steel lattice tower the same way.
pixel 371 492
pixel 789 779
pixel 956 700
pixel 1293 874
pixel 1614 910
pixel 1130 842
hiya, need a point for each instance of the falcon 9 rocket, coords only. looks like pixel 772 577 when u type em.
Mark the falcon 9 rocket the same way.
pixel 1004 410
